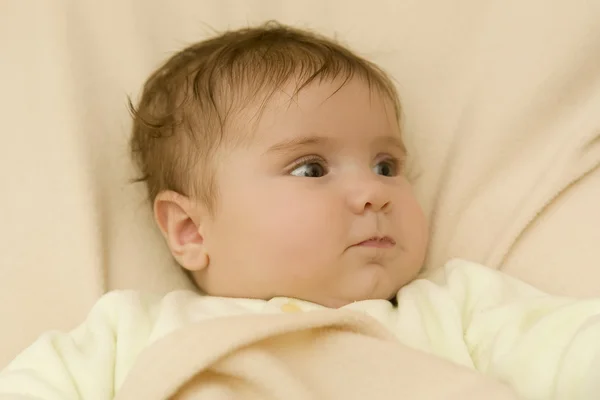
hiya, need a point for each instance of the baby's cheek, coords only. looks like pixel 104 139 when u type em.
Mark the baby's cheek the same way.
pixel 415 231
pixel 301 227
pixel 297 224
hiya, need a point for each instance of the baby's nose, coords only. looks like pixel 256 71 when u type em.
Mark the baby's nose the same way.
pixel 370 194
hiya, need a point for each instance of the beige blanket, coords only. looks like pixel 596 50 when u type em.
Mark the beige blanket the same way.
pixel 318 355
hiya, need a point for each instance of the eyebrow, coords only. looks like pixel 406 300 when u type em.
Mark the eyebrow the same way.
pixel 288 146
pixel 392 141
pixel 291 145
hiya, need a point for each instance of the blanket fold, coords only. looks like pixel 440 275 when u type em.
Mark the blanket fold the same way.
pixel 316 355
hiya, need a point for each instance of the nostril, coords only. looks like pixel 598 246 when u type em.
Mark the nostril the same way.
pixel 386 206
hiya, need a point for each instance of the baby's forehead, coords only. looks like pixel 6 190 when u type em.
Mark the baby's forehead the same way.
pixel 320 108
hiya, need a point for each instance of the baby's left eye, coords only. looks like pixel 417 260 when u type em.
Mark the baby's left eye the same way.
pixel 386 168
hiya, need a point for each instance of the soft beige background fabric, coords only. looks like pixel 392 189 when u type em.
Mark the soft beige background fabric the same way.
pixel 502 105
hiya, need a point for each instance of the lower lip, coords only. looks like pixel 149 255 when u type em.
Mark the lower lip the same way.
pixel 379 244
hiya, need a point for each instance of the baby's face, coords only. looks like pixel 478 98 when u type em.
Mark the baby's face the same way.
pixel 314 204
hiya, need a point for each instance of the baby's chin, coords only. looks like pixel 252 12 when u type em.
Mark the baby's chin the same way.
pixel 375 289
pixel 341 301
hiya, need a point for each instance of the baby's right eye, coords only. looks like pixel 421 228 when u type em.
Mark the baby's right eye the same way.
pixel 310 169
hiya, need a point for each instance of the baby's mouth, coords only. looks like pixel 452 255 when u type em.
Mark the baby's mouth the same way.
pixel 382 242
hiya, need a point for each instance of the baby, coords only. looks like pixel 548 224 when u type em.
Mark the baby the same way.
pixel 274 161
pixel 275 164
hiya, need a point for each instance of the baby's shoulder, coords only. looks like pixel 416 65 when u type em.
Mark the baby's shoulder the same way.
pixel 128 303
pixel 465 273
pixel 182 306
pixel 474 286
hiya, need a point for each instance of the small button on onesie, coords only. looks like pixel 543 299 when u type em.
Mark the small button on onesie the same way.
pixel 290 308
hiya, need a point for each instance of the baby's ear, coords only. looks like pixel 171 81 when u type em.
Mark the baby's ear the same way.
pixel 178 218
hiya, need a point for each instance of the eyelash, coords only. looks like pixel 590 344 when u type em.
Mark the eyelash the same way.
pixel 396 162
pixel 306 160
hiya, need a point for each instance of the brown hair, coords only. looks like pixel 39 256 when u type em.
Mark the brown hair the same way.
pixel 185 104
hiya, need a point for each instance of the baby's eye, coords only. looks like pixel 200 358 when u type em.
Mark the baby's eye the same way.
pixel 386 168
pixel 312 169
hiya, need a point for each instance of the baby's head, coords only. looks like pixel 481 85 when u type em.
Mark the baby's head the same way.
pixel 274 161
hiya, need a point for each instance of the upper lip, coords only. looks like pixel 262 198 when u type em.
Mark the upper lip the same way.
pixel 377 238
